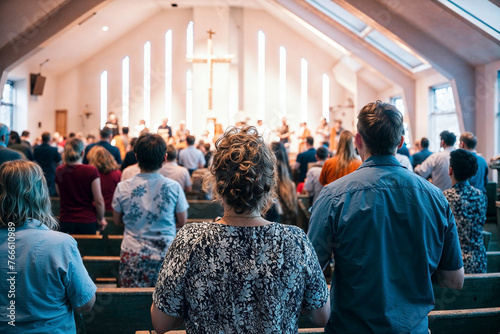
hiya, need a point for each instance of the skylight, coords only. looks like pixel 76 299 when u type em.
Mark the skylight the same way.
pixel 483 14
pixel 393 50
pixel 398 53
pixel 339 14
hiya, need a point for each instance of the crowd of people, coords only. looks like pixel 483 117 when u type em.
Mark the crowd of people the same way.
pixel 251 270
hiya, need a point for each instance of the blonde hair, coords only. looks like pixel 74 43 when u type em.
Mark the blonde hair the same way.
pixel 24 194
pixel 243 171
pixel 345 151
pixel 99 157
pixel 73 150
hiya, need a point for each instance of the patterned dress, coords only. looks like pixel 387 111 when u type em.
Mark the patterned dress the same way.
pixel 232 279
pixel 468 205
pixel 148 203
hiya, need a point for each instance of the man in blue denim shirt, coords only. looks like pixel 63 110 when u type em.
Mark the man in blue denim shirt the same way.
pixel 389 230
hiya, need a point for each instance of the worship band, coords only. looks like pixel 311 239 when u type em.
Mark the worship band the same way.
pixel 389 223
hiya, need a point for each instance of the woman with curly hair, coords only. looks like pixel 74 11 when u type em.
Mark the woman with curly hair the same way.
pixel 50 278
pixel 242 273
pixel 110 176
pixel 286 205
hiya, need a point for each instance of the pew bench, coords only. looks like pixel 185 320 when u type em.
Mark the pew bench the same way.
pixel 484 321
pixel 98 245
pixel 477 305
pixel 102 267
pixel 493 263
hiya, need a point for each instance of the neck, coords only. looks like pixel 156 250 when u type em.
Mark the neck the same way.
pixel 247 218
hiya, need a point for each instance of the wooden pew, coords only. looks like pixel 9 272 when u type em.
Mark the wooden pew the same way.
pixel 491 193
pixel 203 209
pixel 102 266
pixel 124 310
pixel 493 259
pixel 468 321
pixel 479 291
pixel 98 245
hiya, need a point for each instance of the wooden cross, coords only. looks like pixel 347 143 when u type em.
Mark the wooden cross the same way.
pixel 210 59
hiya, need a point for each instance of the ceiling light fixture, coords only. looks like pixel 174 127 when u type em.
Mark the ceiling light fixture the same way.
pixel 105 28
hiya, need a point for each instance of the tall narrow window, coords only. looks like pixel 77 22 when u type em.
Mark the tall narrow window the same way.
pixel 303 90
pixel 282 82
pixel 398 102
pixel 168 74
pixel 189 40
pixel 7 105
pixel 189 100
pixel 326 97
pixel 104 98
pixel 443 114
pixel 125 90
pixel 147 82
pixel 261 70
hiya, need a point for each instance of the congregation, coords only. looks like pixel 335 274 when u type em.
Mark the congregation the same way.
pixel 251 270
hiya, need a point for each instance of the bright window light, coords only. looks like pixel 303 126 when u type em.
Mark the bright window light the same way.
pixel 168 74
pixel 189 40
pixel 282 82
pixel 189 100
pixel 104 98
pixel 303 90
pixel 125 91
pixel 261 69
pixel 147 82
pixel 326 97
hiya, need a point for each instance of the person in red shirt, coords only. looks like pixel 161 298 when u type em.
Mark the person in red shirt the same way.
pixel 79 188
pixel 110 176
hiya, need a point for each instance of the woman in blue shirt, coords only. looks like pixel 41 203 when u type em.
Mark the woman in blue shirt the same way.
pixel 43 279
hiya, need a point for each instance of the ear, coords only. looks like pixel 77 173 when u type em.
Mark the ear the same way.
pixel 359 141
pixel 442 143
pixel 461 145
pixel 450 171
pixel 401 142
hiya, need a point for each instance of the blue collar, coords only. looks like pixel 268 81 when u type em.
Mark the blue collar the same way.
pixel 2 144
pixel 463 183
pixel 380 160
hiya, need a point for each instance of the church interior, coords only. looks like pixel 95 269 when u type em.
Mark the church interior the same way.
pixel 65 65
pixel 438 61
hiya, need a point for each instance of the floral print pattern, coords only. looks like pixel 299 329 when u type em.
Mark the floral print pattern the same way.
pixel 229 279
pixel 468 205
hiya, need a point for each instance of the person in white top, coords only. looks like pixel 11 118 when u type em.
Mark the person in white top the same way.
pixel 404 161
pixel 263 130
pixel 437 164
pixel 191 157
pixel 130 172
pixel 175 172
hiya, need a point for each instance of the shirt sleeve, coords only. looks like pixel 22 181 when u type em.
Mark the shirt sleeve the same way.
pixel 188 182
pixel 57 156
pixel 116 204
pixel 316 291
pixel 425 168
pixel 182 203
pixel 79 286
pixel 202 159
pixel 309 185
pixel 321 227
pixel 169 295
pixel 451 257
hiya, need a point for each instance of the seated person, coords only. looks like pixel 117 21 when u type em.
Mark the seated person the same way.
pixel 241 274
pixel 468 205
pixel 50 280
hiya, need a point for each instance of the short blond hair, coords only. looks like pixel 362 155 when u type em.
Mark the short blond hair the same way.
pixel 24 194
pixel 99 157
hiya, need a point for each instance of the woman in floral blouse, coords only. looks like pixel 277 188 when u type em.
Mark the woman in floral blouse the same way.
pixel 241 274
pixel 150 206
pixel 468 205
